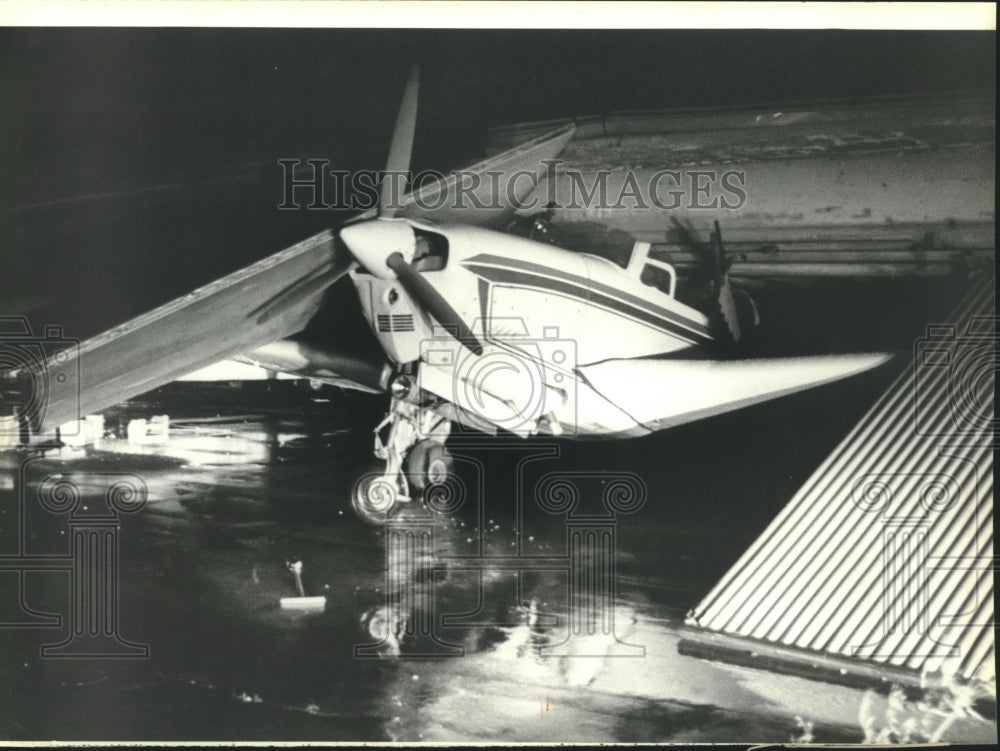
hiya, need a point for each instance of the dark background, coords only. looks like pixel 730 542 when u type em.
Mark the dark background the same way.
pixel 140 163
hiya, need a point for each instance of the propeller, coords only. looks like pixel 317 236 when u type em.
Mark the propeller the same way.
pixel 401 149
pixel 718 263
pixel 385 246
pixel 423 291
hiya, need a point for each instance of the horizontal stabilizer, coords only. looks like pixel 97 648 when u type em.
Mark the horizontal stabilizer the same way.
pixel 664 393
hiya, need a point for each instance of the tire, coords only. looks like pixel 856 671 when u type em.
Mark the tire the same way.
pixel 428 464
pixel 375 499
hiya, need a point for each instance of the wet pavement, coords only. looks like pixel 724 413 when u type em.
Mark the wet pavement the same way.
pixel 255 477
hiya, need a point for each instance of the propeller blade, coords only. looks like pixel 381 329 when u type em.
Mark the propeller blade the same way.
pixel 402 144
pixel 724 261
pixel 724 290
pixel 716 264
pixel 727 309
pixel 432 300
pixel 704 253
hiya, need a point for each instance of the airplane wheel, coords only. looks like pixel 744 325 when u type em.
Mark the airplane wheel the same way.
pixel 375 499
pixel 428 464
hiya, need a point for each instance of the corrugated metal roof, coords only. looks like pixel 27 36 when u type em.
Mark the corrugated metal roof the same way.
pixel 885 555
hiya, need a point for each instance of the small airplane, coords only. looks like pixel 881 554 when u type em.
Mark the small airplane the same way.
pixel 478 328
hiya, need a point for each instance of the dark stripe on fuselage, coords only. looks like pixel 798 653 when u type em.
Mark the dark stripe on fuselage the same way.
pixel 534 275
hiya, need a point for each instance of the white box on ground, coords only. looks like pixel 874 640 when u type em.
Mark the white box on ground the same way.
pixel 72 434
pixel 10 432
pixel 155 430
pixel 158 429
pixel 93 428
pixel 136 431
pixel 303 603
pixel 86 432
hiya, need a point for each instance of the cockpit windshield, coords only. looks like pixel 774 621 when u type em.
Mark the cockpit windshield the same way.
pixel 612 244
pixel 432 251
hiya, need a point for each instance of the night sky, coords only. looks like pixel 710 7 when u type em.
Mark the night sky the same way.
pixel 166 140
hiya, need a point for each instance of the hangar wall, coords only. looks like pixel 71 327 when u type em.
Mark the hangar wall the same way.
pixel 897 187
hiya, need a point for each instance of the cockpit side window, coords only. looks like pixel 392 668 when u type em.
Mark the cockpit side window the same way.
pixel 432 251
pixel 660 277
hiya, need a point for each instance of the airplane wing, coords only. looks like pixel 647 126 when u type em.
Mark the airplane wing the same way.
pixel 254 306
pixel 661 394
pixel 489 192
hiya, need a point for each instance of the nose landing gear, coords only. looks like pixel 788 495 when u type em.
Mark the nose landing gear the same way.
pixel 428 464
pixel 415 457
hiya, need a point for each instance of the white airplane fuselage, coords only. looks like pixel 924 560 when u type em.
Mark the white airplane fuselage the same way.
pixel 541 312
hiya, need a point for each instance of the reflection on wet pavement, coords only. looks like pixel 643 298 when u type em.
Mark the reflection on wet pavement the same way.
pixel 489 578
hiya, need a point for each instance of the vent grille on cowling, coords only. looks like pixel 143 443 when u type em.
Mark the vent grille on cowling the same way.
pixel 394 323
